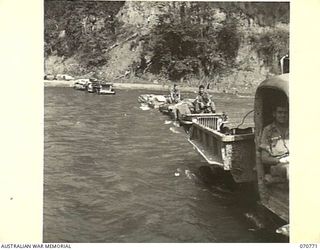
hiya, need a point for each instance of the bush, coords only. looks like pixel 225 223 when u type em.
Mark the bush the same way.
pixel 88 28
pixel 188 49
pixel 271 45
pixel 229 40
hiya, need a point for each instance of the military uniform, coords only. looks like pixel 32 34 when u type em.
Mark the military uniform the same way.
pixel 174 96
pixel 276 144
pixel 204 104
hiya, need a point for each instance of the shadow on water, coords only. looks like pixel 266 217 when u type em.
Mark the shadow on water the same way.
pixel 244 200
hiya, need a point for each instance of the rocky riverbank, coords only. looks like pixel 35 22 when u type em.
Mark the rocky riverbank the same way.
pixel 149 86
pixel 234 46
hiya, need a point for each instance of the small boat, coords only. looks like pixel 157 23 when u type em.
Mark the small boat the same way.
pixel 144 98
pixel 233 151
pixel 156 101
pixel 93 85
pixel 153 101
pixel 81 84
pixel 106 89
pixel 177 111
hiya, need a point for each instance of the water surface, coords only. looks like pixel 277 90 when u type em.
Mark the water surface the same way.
pixel 116 173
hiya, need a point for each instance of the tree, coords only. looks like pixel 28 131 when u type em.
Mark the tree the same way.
pixel 191 48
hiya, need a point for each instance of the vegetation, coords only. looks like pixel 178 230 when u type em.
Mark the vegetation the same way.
pixel 182 50
pixel 81 29
pixel 271 45
pixel 190 40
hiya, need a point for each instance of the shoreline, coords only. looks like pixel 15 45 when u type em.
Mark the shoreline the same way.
pixel 147 86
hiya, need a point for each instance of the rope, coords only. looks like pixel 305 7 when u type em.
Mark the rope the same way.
pixel 245 118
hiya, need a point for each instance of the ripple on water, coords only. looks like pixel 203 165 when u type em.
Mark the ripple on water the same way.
pixel 109 175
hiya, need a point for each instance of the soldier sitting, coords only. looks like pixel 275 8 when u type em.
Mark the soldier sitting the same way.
pixel 203 102
pixel 275 146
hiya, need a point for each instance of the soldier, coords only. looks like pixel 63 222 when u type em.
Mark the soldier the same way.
pixel 203 102
pixel 274 145
pixel 175 94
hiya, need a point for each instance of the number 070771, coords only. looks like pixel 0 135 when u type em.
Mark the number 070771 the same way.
pixel 308 245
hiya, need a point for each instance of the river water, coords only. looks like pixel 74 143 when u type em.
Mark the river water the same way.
pixel 116 173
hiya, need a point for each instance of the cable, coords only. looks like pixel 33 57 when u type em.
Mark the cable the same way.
pixel 245 118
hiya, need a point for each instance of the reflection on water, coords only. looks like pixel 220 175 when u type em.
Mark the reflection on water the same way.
pixel 110 174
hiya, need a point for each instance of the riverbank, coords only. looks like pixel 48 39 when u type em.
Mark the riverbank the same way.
pixel 147 86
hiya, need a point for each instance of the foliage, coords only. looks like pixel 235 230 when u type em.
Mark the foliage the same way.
pixel 192 40
pixel 81 29
pixel 229 39
pixel 264 14
pixel 185 49
pixel 271 44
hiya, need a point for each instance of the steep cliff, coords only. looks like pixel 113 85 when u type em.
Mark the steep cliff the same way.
pixel 228 44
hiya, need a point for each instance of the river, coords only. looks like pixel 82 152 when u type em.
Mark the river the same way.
pixel 116 173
